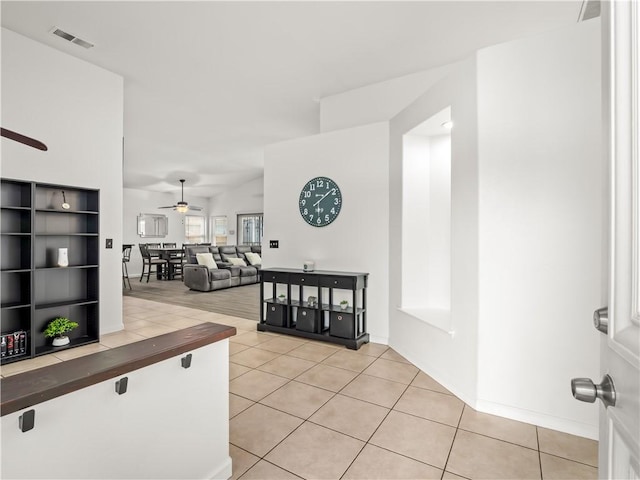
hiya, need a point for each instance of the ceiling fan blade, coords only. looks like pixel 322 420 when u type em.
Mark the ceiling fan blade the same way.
pixel 193 207
pixel 171 206
pixel 17 137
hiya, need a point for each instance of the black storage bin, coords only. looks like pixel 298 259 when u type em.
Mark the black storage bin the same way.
pixel 342 325
pixel 307 320
pixel 276 315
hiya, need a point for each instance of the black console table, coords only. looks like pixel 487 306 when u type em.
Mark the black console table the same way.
pixel 317 320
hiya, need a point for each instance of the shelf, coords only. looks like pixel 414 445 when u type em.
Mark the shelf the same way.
pixel 8 207
pixel 336 308
pixel 67 234
pixel 78 212
pixel 14 305
pixel 75 342
pixel 70 267
pixel 15 358
pixel 298 303
pixel 352 343
pixel 67 303
pixel 273 300
pixel 34 226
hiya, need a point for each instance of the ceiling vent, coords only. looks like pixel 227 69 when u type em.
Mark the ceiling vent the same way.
pixel 71 38
pixel 589 9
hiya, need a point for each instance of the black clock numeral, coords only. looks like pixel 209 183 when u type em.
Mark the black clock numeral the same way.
pixel 326 218
pixel 336 201
pixel 311 217
pixel 320 183
pixel 305 212
pixel 307 194
pixel 303 202
pixel 333 211
pixel 312 187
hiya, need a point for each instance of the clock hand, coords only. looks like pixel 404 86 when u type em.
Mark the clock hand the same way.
pixel 323 197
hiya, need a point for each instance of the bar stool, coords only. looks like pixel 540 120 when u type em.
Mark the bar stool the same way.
pixel 126 257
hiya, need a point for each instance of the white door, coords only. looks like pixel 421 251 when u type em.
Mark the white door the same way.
pixel 619 456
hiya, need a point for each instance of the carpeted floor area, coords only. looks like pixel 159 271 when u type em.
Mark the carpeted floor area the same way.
pixel 242 301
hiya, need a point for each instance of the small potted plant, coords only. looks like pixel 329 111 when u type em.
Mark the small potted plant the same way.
pixel 57 328
pixel 344 304
pixel 282 298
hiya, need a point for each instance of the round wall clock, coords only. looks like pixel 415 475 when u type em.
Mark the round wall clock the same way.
pixel 320 201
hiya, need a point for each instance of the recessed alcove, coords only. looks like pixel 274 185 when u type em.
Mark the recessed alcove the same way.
pixel 426 221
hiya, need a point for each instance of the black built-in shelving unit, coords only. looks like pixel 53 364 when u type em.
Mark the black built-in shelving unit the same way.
pixel 35 290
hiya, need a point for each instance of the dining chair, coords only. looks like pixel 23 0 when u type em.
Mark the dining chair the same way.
pixel 176 259
pixel 153 245
pixel 148 262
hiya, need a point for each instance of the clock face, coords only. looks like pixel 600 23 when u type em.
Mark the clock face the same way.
pixel 320 201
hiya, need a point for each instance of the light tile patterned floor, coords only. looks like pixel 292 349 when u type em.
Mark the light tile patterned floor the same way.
pixel 304 409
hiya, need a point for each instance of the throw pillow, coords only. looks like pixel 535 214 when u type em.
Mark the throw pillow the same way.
pixel 236 261
pixel 254 258
pixel 207 260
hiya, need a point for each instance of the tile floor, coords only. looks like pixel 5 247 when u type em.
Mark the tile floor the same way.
pixel 304 409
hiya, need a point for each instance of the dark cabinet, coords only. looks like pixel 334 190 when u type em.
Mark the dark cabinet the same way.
pixel 308 308
pixel 37 220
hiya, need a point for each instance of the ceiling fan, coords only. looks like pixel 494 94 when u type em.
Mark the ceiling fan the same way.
pixel 182 206
pixel 17 137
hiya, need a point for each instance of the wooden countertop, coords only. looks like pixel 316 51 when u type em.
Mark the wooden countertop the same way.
pixel 26 389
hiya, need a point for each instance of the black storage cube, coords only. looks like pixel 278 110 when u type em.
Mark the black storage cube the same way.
pixel 307 320
pixel 276 315
pixel 342 325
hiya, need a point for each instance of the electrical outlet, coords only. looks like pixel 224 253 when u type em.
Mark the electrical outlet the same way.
pixel 109 243
pixel 273 243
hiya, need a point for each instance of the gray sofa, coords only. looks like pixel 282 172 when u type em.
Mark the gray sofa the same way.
pixel 199 277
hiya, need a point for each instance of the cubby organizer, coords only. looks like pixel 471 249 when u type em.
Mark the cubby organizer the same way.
pixel 318 320
pixel 35 290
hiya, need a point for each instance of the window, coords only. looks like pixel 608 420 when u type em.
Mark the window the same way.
pixel 218 230
pixel 194 229
pixel 250 229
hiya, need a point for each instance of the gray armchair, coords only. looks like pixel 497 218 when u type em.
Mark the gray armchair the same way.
pixel 200 277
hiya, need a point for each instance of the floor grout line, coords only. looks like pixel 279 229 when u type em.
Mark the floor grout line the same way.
pixel 333 395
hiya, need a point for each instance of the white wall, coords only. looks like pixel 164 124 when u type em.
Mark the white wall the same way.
pixel 375 103
pixel 541 216
pixel 144 201
pixel 415 218
pixel 358 240
pixel 245 198
pixel 426 224
pixel 153 430
pixel 450 359
pixel 527 210
pixel 76 109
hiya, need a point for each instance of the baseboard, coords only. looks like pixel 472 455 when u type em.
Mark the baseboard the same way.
pixel 381 340
pixel 223 471
pixel 540 419
pixel 118 328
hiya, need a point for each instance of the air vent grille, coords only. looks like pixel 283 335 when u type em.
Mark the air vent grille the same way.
pixel 71 38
